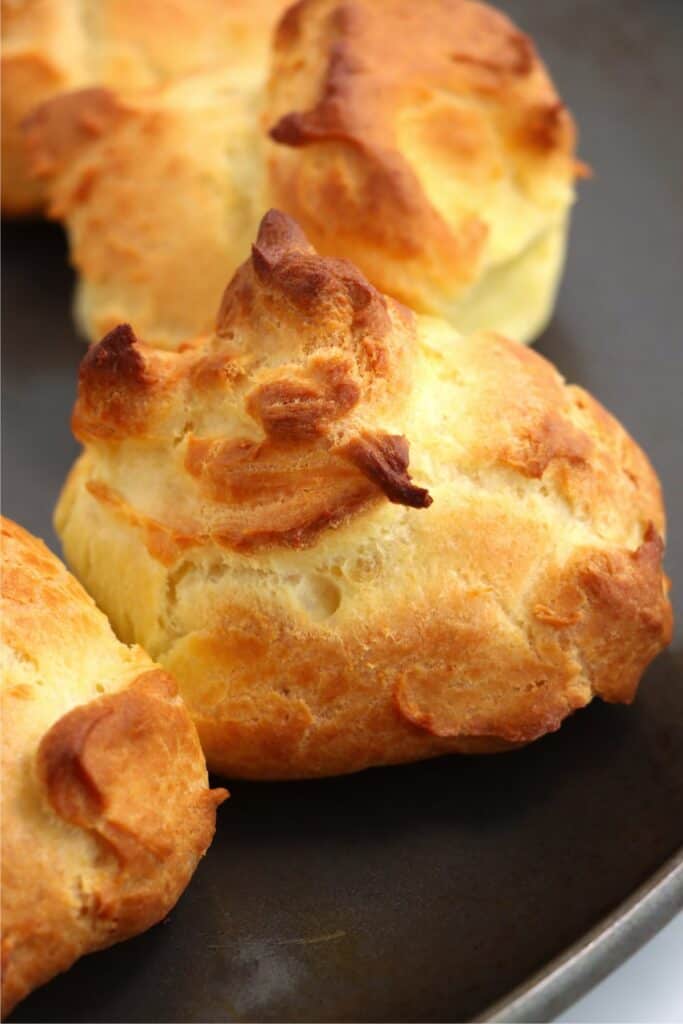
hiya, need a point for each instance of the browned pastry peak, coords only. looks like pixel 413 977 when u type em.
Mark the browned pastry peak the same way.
pixel 308 358
pixel 111 374
pixel 327 303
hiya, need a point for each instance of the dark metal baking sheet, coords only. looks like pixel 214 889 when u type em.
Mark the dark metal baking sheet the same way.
pixel 431 891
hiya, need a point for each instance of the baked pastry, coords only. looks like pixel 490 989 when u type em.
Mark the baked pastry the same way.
pixel 425 142
pixel 105 804
pixel 355 536
pixel 49 46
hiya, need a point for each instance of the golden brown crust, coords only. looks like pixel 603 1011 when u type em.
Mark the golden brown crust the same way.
pixel 316 627
pixel 454 44
pixel 270 506
pixel 604 596
pixel 292 409
pixel 106 808
pixel 371 105
pixel 89 763
pixel 50 46
pixel 595 602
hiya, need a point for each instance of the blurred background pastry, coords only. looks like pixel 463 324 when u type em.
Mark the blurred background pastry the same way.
pixel 424 141
pixel 355 536
pixel 106 809
pixel 49 46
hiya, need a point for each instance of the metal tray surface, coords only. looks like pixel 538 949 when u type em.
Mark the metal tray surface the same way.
pixel 433 891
